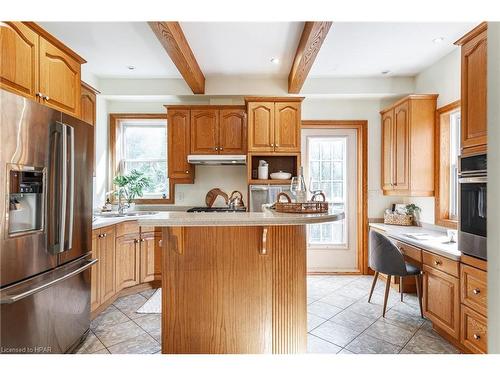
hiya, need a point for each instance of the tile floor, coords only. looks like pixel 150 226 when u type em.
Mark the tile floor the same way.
pixel 339 319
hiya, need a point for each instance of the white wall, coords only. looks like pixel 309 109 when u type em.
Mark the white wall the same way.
pixel 358 109
pixel 494 187
pixel 443 78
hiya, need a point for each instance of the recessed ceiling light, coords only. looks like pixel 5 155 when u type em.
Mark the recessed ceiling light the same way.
pixel 438 40
pixel 275 60
pixel 385 72
pixel 131 67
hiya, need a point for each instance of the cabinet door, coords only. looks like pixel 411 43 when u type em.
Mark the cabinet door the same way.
pixel 401 146
pixel 232 131
pixel 179 135
pixel 19 59
pixel 442 300
pixel 261 126
pixel 474 63
pixel 59 79
pixel 87 105
pixel 127 261
pixel 147 249
pixel 388 150
pixel 287 127
pixel 94 273
pixel 107 263
pixel 204 131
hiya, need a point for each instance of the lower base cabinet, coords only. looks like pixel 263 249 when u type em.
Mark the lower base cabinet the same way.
pixel 126 258
pixel 474 331
pixel 441 300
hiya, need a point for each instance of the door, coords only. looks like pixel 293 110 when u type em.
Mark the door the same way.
pixel 127 261
pixel 441 300
pixel 59 79
pixel 107 256
pixel 474 77
pixel 261 126
pixel 204 131
pixel 330 164
pixel 19 59
pixel 233 131
pixel 94 273
pixel 178 126
pixel 24 133
pixel 388 150
pixel 401 146
pixel 287 127
pixel 147 250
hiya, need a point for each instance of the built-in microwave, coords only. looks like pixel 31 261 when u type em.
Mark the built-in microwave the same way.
pixel 473 189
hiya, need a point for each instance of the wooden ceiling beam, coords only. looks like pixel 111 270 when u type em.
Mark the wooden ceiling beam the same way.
pixel 173 40
pixel 312 38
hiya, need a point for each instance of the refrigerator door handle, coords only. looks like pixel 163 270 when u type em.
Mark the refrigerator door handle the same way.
pixel 56 202
pixel 70 181
pixel 56 276
pixel 64 186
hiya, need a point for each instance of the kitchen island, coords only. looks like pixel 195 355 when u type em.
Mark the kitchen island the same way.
pixel 234 282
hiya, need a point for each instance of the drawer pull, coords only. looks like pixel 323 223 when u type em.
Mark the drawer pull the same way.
pixel 476 291
pixel 437 262
pixel 476 336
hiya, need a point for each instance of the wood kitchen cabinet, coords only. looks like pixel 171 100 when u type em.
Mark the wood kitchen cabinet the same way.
pixel 218 130
pixel 150 254
pixel 179 138
pixel 441 300
pixel 127 261
pixel 474 90
pixel 38 66
pixel 408 146
pixel 274 124
pixel 102 279
pixel 88 100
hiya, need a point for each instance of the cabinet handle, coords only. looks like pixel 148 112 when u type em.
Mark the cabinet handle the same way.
pixel 136 240
pixel 104 234
pixel 476 336
pixel 39 95
pixel 221 148
pixel 45 97
pixel 277 145
pixel 187 172
pixel 272 144
pixel 142 240
pixel 263 249
pixel 437 262
pixel 476 291
pixel 216 148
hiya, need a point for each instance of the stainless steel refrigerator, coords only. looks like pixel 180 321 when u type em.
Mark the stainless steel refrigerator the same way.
pixel 45 227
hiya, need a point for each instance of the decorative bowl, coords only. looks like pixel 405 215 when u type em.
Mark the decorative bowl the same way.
pixel 280 175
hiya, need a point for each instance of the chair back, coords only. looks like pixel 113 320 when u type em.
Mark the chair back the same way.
pixel 384 256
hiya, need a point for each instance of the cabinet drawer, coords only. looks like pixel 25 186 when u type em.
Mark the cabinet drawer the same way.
pixel 474 334
pixel 127 228
pixel 473 286
pixel 410 251
pixel 438 262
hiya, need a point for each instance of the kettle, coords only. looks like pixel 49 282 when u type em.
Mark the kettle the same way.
pixel 236 200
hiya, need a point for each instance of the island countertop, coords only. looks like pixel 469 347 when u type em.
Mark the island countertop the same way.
pixel 267 218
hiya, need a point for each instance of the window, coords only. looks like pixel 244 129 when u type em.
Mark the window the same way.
pixel 327 172
pixel 447 154
pixel 140 143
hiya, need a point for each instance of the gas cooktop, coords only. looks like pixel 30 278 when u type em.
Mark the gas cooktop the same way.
pixel 217 209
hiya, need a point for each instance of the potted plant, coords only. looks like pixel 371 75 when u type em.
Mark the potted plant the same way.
pixel 413 210
pixel 130 186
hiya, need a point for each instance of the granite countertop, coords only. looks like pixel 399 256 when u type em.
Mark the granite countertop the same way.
pixel 197 219
pixel 435 243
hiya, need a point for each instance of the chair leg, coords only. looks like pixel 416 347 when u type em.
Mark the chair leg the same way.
pixel 417 280
pixel 387 287
pixel 401 287
pixel 375 277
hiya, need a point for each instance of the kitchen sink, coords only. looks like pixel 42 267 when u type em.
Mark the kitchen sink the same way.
pixel 126 214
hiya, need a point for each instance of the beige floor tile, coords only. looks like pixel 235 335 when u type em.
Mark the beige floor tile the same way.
pixel 429 343
pixel 118 333
pixel 370 310
pixel 130 304
pixel 335 333
pixel 323 310
pixel 90 345
pixel 390 333
pixel 403 320
pixel 149 322
pixel 109 317
pixel 316 345
pixel 338 300
pixel 148 293
pixel 142 344
pixel 313 321
pixel 366 344
pixel 352 320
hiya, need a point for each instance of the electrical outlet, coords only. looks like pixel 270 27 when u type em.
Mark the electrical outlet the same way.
pixel 180 196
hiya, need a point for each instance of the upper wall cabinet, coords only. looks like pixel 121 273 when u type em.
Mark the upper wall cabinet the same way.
pixel 36 65
pixel 179 137
pixel 473 100
pixel 218 130
pixel 88 100
pixel 274 124
pixel 408 146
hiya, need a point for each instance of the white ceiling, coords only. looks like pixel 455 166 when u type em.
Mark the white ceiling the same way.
pixel 353 49
pixel 243 48
pixel 365 49
pixel 110 47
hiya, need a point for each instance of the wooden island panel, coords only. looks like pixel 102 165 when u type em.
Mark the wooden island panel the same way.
pixel 234 290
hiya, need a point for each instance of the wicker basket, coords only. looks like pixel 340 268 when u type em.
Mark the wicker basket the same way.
pixel 398 219
pixel 300 208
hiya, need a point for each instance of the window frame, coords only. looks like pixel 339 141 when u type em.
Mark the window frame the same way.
pixel 115 120
pixel 442 166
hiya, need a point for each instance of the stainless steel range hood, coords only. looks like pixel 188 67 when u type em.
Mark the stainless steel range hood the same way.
pixel 217 159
